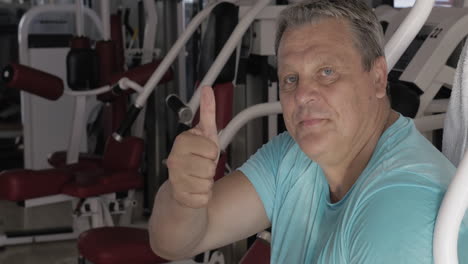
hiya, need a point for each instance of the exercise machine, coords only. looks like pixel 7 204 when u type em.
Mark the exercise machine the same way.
pixel 427 66
pixel 91 186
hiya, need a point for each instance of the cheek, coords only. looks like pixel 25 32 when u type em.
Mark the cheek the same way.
pixel 287 106
pixel 347 106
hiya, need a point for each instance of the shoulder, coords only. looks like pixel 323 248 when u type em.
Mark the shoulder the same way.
pixel 395 225
pixel 404 156
pixel 270 155
pixel 283 139
pixel 396 200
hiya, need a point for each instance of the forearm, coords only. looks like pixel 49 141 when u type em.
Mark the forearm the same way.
pixel 175 230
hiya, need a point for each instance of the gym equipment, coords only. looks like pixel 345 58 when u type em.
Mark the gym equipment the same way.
pixel 117 245
pixel 214 70
pixel 82 78
pixel 42 134
pixel 260 251
pixel 427 66
pixel 450 216
pixel 121 80
pixel 116 171
pixel 82 183
pixel 37 82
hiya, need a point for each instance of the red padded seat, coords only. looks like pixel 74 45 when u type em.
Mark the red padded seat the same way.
pixel 119 170
pixel 19 185
pixel 258 253
pixel 117 245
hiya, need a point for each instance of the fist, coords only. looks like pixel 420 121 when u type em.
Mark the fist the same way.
pixel 194 157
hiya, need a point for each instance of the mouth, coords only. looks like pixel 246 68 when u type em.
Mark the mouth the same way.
pixel 312 122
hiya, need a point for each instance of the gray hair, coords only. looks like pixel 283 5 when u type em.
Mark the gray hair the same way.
pixel 364 25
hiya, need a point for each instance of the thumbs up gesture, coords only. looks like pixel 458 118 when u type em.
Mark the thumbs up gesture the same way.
pixel 194 156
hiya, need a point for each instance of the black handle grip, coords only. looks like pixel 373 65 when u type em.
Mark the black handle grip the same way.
pixel 117 90
pixel 127 123
pixel 174 103
pixel 182 110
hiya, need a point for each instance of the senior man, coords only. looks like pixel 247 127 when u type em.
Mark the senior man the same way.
pixel 351 181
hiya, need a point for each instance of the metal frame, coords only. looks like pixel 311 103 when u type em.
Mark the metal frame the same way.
pixel 450 216
pixel 24 58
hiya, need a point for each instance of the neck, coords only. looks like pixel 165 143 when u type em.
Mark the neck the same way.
pixel 342 177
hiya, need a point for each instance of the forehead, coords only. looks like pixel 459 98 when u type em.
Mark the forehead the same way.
pixel 328 37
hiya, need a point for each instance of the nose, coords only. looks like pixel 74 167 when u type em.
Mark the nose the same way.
pixel 307 91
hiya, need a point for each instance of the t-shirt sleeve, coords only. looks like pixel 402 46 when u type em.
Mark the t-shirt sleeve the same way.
pixel 395 225
pixel 262 167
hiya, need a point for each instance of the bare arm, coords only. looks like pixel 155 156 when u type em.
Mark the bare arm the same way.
pixel 234 212
pixel 191 214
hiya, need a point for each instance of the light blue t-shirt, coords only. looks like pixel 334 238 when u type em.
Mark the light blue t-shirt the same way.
pixel 388 215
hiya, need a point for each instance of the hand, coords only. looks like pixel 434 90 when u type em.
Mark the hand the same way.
pixel 194 156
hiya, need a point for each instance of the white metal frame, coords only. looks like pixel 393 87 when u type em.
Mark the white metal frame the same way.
pixel 173 52
pixel 24 58
pixel 450 216
pixel 226 52
pixel 216 67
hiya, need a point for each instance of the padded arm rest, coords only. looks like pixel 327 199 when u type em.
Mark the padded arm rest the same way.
pixel 19 185
pixel 59 159
pixel 118 176
pixel 107 182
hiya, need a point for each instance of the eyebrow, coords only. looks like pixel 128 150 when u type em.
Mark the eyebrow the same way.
pixel 321 59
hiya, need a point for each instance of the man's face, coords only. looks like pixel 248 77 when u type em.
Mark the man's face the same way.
pixel 328 99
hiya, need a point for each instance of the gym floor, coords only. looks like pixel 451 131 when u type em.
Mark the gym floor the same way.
pixel 14 217
pixel 64 252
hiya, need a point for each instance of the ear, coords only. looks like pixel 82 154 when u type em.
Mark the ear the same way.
pixel 379 71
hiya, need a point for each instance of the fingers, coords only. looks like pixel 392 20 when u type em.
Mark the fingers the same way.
pixel 189 190
pixel 191 178
pixel 207 123
pixel 194 201
pixel 192 142
pixel 192 167
pixel 191 184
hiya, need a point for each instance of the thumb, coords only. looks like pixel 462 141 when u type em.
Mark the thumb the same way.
pixel 207 124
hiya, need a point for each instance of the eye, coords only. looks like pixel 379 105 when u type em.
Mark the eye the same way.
pixel 327 75
pixel 327 72
pixel 290 79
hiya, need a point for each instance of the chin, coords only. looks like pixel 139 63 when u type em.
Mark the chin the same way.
pixel 313 145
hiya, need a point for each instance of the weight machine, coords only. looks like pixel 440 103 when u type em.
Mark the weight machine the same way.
pixel 91 184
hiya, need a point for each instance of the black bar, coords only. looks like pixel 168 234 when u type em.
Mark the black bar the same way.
pixel 127 123
pixel 175 103
pixel 184 113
